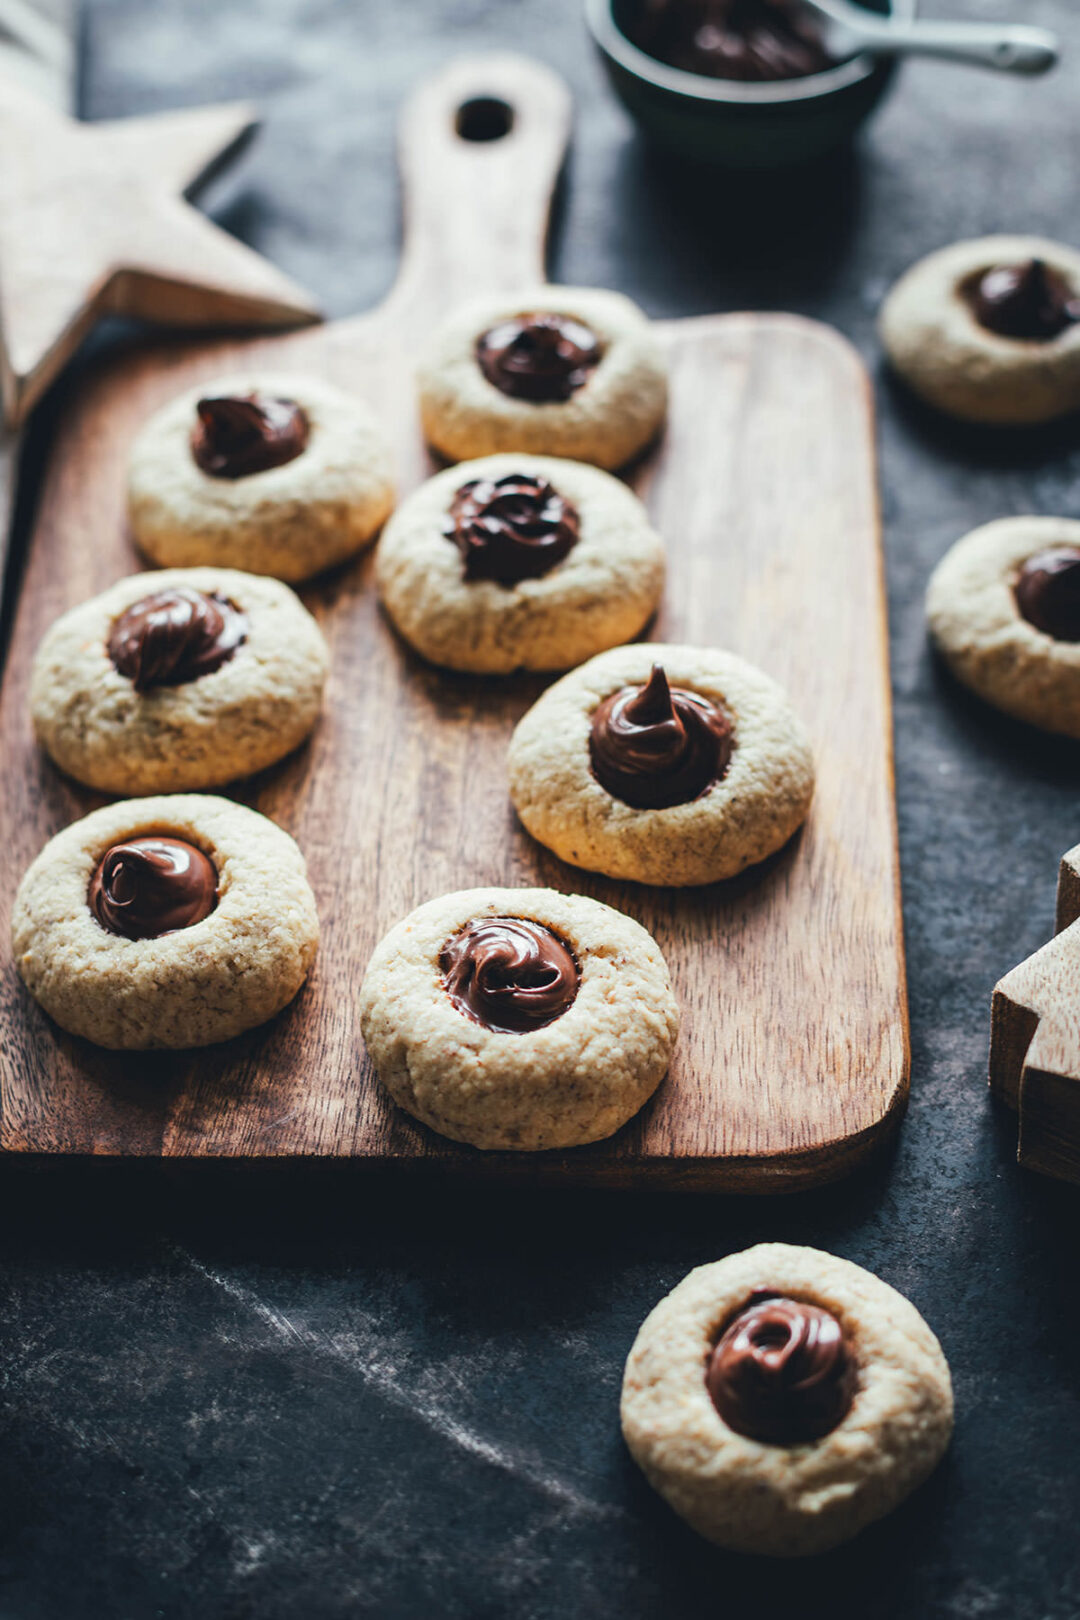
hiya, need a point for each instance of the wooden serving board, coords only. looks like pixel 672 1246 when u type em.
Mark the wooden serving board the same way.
pixel 793 1060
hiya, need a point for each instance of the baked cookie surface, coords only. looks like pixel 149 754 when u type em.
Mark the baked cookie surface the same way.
pixel 291 518
pixel 546 1033
pixel 977 623
pixel 932 331
pixel 228 887
pixel 198 702
pixel 834 1366
pixel 448 558
pixel 600 367
pixel 751 792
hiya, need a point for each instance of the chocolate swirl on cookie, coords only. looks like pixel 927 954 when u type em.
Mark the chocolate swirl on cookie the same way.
pixel 240 434
pixel 1047 592
pixel 174 636
pixel 511 528
pixel 539 357
pixel 783 1372
pixel 657 745
pixel 147 887
pixel 749 40
pixel 509 974
pixel 1027 301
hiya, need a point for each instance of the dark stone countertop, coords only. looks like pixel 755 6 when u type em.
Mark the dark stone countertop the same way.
pixel 245 1394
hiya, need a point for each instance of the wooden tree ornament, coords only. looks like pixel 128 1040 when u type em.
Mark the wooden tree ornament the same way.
pixel 1035 1040
pixel 93 222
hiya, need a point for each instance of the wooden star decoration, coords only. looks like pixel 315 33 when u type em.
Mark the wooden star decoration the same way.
pixel 1035 1040
pixel 94 222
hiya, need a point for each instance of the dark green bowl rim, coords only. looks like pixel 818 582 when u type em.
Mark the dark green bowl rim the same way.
pixel 729 92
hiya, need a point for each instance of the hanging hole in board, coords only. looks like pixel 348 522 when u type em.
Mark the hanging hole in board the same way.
pixel 484 118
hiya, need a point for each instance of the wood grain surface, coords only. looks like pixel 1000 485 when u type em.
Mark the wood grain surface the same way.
pixel 1035 1040
pixel 793 1059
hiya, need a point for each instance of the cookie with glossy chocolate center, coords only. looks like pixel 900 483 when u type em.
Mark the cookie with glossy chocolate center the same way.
pixel 608 775
pixel 574 372
pixel 519 562
pixel 989 330
pixel 1003 607
pixel 782 1399
pixel 274 475
pixel 209 676
pixel 169 922
pixel 519 1019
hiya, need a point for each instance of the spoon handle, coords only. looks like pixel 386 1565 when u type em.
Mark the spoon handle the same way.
pixel 1009 49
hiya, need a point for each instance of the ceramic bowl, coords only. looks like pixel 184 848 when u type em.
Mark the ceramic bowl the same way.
pixel 737 125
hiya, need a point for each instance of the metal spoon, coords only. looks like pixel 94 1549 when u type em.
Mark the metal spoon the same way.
pixel 1010 49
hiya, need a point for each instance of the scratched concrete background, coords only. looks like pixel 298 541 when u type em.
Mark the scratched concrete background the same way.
pixel 248 1395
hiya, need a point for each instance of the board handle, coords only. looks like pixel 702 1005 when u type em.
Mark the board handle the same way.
pixel 481 143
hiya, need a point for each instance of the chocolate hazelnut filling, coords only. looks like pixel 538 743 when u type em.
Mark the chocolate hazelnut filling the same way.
pixel 237 435
pixel 1047 592
pixel 656 745
pixel 538 356
pixel 749 40
pixel 151 886
pixel 783 1371
pixel 509 974
pixel 1026 301
pixel 511 528
pixel 174 636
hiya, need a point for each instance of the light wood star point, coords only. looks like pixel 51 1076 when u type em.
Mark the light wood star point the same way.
pixel 1035 1040
pixel 93 222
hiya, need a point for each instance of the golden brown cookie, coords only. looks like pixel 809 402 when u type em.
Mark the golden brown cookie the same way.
pixel 989 330
pixel 782 1399
pixel 1004 611
pixel 181 679
pixel 667 765
pixel 282 475
pixel 519 1018
pixel 519 562
pixel 557 371
pixel 173 921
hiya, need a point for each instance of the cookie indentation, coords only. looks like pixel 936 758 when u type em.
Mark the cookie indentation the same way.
pixel 538 356
pixel 147 887
pixel 175 636
pixel 783 1372
pixel 240 434
pixel 511 528
pixel 655 745
pixel 1026 301
pixel 1048 592
pixel 509 974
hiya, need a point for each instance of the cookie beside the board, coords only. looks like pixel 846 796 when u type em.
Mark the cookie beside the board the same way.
pixel 782 1399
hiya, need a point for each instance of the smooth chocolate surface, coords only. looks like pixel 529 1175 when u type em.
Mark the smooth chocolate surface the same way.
pixel 511 528
pixel 1048 592
pixel 1026 301
pixel 509 974
pixel 237 435
pixel 782 1372
pixel 749 40
pixel 541 356
pixel 151 886
pixel 657 745
pixel 174 636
